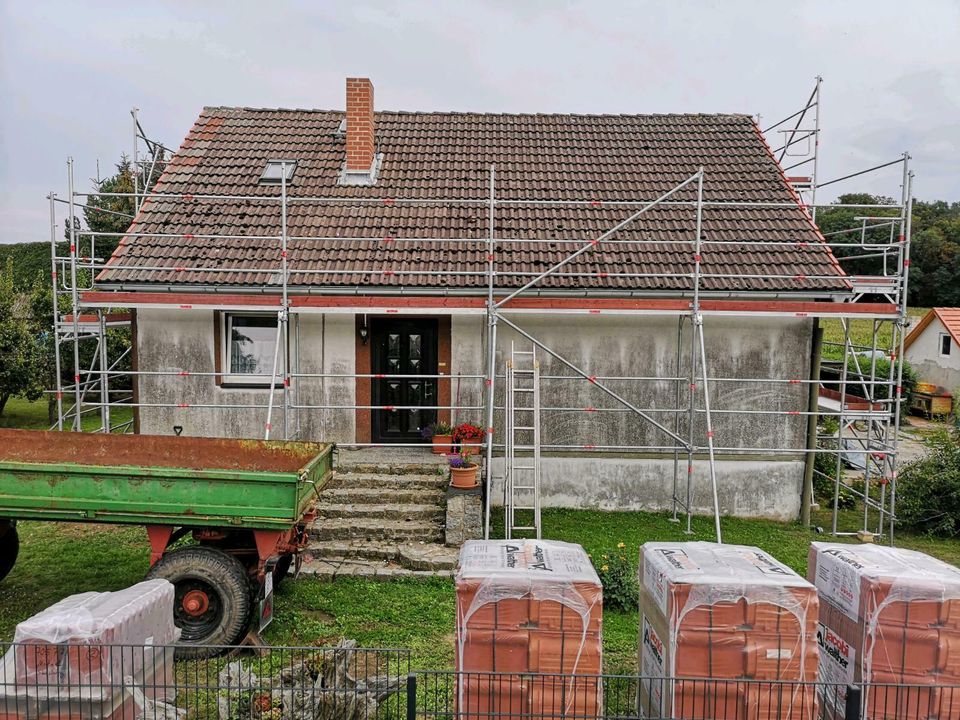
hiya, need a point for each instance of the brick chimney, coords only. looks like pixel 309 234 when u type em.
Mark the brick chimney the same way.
pixel 360 146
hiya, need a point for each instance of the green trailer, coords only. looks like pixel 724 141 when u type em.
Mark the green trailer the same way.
pixel 245 503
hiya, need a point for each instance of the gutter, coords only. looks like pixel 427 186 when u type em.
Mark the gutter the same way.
pixel 402 291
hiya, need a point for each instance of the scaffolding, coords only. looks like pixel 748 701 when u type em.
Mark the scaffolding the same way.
pixel 865 397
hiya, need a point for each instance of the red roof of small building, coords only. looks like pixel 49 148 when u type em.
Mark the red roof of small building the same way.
pixel 447 156
pixel 949 317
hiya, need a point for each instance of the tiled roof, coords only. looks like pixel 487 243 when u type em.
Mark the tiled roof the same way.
pixel 447 156
pixel 950 317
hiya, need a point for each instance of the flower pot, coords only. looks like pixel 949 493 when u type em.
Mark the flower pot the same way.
pixel 442 444
pixel 465 477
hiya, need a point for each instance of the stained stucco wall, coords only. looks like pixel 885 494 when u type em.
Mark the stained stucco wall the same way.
pixel 173 340
pixel 924 355
pixel 763 484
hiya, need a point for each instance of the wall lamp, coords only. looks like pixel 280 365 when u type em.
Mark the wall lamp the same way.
pixel 364 331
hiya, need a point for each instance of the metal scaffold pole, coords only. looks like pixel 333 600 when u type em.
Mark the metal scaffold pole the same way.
pixel 491 372
pixel 74 300
pixel 58 382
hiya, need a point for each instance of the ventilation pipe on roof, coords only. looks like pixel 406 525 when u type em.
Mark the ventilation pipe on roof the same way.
pixel 362 161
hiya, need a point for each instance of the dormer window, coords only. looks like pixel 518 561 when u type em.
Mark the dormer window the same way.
pixel 278 170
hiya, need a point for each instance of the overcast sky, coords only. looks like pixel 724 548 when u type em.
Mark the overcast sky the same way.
pixel 71 71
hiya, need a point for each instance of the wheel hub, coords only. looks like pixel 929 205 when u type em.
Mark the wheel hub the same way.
pixel 196 603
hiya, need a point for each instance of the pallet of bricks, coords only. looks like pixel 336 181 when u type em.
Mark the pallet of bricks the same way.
pixel 726 631
pixel 889 618
pixel 529 631
pixel 93 656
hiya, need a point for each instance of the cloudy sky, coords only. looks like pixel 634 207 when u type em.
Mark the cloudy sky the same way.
pixel 71 71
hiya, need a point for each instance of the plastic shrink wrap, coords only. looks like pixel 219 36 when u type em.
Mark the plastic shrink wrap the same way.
pixel 70 659
pixel 730 613
pixel 889 615
pixel 527 606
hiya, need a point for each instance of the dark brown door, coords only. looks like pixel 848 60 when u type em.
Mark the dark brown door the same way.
pixel 408 348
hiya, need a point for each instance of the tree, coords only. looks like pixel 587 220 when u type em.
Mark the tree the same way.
pixel 22 355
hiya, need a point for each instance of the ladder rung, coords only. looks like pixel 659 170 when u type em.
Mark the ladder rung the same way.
pixel 523 389
pixel 523 527
pixel 523 427
pixel 523 487
pixel 523 467
pixel 522 352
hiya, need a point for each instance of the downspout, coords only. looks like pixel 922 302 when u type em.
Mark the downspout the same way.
pixel 813 389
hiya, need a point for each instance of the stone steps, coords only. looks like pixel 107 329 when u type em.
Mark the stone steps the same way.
pixel 377 529
pixel 432 469
pixel 388 481
pixel 381 521
pixel 384 511
pixel 329 570
pixel 412 495
pixel 414 556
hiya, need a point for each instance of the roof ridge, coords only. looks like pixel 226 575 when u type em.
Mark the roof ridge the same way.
pixel 469 113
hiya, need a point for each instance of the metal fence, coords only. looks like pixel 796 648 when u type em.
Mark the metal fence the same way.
pixel 79 682
pixel 436 695
pixel 122 682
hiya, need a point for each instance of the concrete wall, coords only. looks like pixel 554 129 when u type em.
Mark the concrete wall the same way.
pixel 924 355
pixel 173 340
pixel 763 484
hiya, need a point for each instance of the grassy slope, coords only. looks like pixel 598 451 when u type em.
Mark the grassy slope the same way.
pixel 25 415
pixel 58 560
pixel 860 333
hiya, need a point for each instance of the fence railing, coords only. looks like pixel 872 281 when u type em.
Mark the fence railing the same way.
pixel 436 695
pixel 123 682
pixel 74 682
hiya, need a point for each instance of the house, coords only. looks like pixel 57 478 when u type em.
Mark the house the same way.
pixel 932 347
pixel 387 228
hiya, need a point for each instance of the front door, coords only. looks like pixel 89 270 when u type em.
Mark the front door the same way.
pixel 403 349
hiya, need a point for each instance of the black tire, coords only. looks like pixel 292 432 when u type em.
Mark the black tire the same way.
pixel 213 602
pixel 9 548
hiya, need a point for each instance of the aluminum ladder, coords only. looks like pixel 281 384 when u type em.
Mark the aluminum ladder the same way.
pixel 522 475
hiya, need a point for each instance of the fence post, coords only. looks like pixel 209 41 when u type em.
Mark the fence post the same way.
pixel 852 709
pixel 412 696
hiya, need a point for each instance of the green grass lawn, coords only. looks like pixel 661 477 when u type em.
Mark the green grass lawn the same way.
pixel 861 333
pixel 26 415
pixel 60 559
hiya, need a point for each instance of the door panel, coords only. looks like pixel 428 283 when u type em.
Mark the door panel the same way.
pixel 403 347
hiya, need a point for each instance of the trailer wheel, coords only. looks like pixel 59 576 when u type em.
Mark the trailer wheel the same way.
pixel 9 548
pixel 213 602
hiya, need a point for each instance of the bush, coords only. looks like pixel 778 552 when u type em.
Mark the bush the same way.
pixel 928 489
pixel 825 467
pixel 621 591
pixel 881 374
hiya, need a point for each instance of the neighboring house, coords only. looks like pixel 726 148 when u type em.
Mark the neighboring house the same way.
pixel 933 348
pixel 362 303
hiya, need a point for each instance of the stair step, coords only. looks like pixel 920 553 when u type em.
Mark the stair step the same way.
pixel 433 468
pixel 375 529
pixel 387 481
pixel 329 570
pixel 357 495
pixel 414 556
pixel 384 511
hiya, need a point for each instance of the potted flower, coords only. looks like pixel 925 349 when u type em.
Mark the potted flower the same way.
pixel 468 439
pixel 463 471
pixel 442 435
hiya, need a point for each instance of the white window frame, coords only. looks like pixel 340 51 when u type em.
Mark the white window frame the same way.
pixel 246 380
pixel 950 345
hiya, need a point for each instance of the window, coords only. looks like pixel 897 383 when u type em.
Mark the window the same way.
pixel 249 346
pixel 946 345
pixel 273 173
